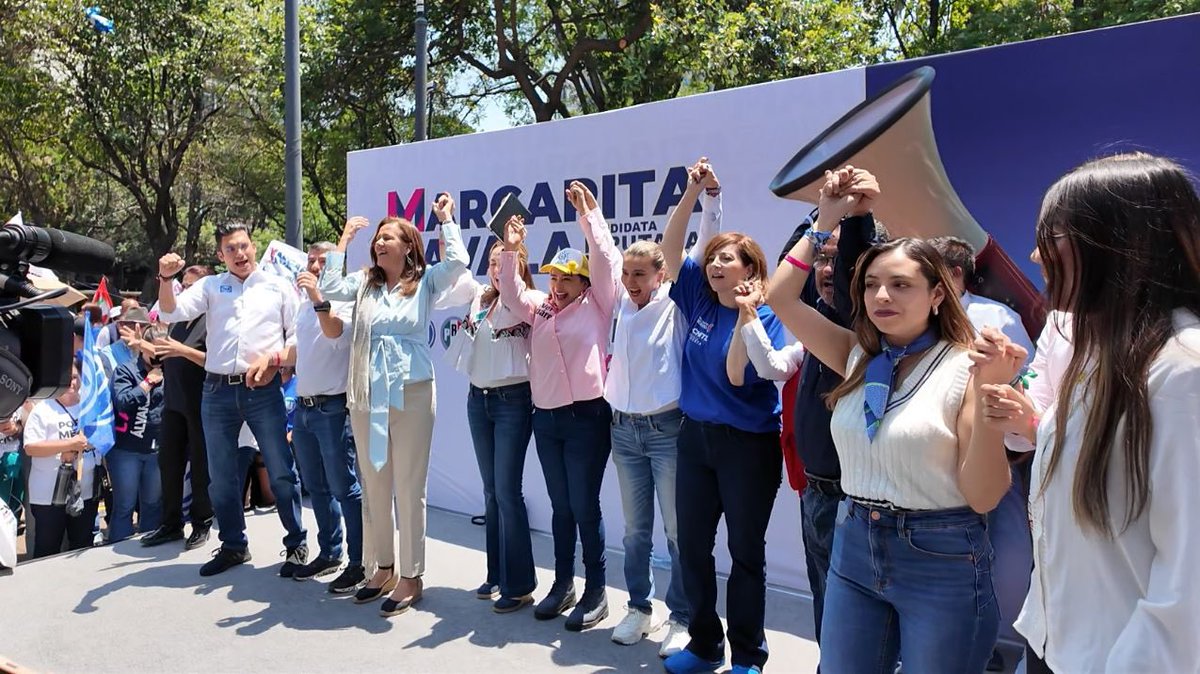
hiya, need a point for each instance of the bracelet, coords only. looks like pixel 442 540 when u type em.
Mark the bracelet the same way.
pixel 799 264
pixel 165 279
pixel 1024 377
pixel 320 307
pixel 818 238
pixel 275 359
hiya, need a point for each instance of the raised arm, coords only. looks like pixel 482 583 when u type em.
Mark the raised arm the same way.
pixel 983 474
pixel 710 214
pixel 331 325
pixel 514 295
pixel 604 260
pixel 335 283
pixel 769 362
pixel 445 275
pixel 736 358
pixel 676 234
pixel 188 304
pixel 828 342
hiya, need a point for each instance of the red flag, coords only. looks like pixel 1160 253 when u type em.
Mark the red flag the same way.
pixel 102 298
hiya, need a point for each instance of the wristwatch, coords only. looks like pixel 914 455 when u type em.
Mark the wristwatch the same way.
pixel 321 306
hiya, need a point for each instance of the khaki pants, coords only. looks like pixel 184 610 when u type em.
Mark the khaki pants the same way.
pixel 400 483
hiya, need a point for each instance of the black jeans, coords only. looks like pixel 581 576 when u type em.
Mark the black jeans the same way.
pixel 182 440
pixel 573 444
pixel 730 472
pixel 53 522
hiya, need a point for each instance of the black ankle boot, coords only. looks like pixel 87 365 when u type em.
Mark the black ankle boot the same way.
pixel 561 598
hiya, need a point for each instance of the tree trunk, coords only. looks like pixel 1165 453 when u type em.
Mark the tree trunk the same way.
pixel 195 219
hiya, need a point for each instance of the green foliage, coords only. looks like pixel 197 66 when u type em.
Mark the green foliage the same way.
pixel 152 134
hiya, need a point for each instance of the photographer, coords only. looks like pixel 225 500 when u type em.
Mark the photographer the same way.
pixel 53 437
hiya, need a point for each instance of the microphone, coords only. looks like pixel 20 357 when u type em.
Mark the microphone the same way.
pixel 56 249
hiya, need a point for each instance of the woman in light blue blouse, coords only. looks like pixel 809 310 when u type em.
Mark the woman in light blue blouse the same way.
pixel 390 391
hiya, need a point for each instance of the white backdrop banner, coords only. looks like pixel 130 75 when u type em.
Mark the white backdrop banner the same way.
pixel 634 160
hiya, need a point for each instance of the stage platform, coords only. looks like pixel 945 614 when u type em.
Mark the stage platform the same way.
pixel 125 608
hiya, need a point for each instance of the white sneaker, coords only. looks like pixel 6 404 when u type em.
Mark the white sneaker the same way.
pixel 677 639
pixel 634 626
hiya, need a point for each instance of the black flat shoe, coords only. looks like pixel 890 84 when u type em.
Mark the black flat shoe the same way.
pixel 560 599
pixel 487 592
pixel 162 535
pixel 591 609
pixel 198 538
pixel 370 594
pixel 391 607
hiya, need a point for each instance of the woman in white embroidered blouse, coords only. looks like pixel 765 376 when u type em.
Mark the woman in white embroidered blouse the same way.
pixel 492 348
pixel 910 572
pixel 1114 479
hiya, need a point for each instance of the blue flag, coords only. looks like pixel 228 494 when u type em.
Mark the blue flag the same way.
pixel 289 401
pixel 95 399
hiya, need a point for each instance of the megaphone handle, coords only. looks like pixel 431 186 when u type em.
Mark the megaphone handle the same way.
pixel 997 277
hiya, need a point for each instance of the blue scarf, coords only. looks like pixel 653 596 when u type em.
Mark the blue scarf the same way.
pixel 881 374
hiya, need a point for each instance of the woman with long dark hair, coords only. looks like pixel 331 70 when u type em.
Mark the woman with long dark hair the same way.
pixel 390 390
pixel 492 349
pixel 1114 479
pixel 910 574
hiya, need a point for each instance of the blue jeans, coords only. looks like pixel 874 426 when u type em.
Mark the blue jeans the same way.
pixel 645 451
pixel 325 452
pixel 501 422
pixel 726 471
pixel 135 479
pixel 1008 528
pixel 818 518
pixel 224 407
pixel 910 585
pixel 573 444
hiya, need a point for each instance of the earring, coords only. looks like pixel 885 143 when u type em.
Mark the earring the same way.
pixel 935 310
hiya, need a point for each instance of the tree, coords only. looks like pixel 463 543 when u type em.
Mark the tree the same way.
pixel 356 91
pixel 539 48
pixel 925 27
pixel 138 100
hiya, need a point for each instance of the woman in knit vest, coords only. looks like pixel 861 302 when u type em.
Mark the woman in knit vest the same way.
pixel 910 575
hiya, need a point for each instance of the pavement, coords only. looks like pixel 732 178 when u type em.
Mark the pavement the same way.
pixel 125 608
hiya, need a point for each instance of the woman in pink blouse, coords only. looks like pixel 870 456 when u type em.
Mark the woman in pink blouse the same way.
pixel 571 419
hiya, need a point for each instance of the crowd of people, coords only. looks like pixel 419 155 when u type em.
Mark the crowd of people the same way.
pixel 955 479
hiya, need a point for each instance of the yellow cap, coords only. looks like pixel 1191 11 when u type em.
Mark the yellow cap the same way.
pixel 568 261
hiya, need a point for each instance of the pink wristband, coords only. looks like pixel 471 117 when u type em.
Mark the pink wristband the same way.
pixel 800 264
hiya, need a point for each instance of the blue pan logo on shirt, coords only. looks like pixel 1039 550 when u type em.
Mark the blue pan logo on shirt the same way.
pixel 432 335
pixel 225 290
pixel 700 332
pixel 450 328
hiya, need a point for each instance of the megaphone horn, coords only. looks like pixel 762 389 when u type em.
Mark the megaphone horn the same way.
pixel 891 135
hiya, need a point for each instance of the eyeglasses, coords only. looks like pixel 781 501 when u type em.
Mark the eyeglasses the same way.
pixel 822 259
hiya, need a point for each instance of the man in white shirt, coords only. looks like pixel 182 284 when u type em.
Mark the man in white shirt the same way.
pixel 1008 524
pixel 321 434
pixel 960 258
pixel 251 316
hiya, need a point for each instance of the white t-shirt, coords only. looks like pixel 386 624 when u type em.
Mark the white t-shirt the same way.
pixel 49 420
